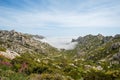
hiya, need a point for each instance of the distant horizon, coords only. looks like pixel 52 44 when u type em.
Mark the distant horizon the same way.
pixel 60 42
pixel 104 31
pixel 65 41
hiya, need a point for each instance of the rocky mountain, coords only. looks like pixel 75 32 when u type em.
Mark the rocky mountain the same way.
pixel 98 47
pixel 22 43
pixel 25 57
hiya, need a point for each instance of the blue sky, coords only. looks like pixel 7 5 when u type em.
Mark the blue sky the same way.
pixel 54 18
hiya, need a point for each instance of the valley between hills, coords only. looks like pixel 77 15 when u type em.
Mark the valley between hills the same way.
pixel 26 57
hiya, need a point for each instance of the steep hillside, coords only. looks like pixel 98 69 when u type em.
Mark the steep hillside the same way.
pixel 98 47
pixel 22 43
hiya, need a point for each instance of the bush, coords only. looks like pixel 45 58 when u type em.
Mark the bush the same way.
pixel 11 75
pixel 101 75
pixel 28 65
pixel 75 73
pixel 2 49
pixel 46 76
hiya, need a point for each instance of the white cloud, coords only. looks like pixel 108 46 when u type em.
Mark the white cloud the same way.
pixel 95 19
pixel 96 16
pixel 60 42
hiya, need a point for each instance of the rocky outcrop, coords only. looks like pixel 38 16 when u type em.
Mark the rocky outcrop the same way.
pixel 38 36
pixel 9 54
pixel 88 43
pixel 117 36
pixel 116 57
pixel 22 43
pixel 99 47
pixel 115 45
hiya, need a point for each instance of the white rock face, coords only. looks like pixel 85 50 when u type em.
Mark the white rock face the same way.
pixel 9 54
pixel 60 42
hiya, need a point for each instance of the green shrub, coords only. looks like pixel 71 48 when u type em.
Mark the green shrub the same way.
pixel 11 75
pixel 47 76
pixel 2 58
pixel 2 49
pixel 101 75
pixel 32 66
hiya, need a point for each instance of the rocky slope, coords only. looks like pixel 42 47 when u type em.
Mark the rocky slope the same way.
pixel 98 47
pixel 22 43
pixel 24 57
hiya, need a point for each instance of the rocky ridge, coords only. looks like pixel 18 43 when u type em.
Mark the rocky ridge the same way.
pixel 22 43
pixel 98 47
